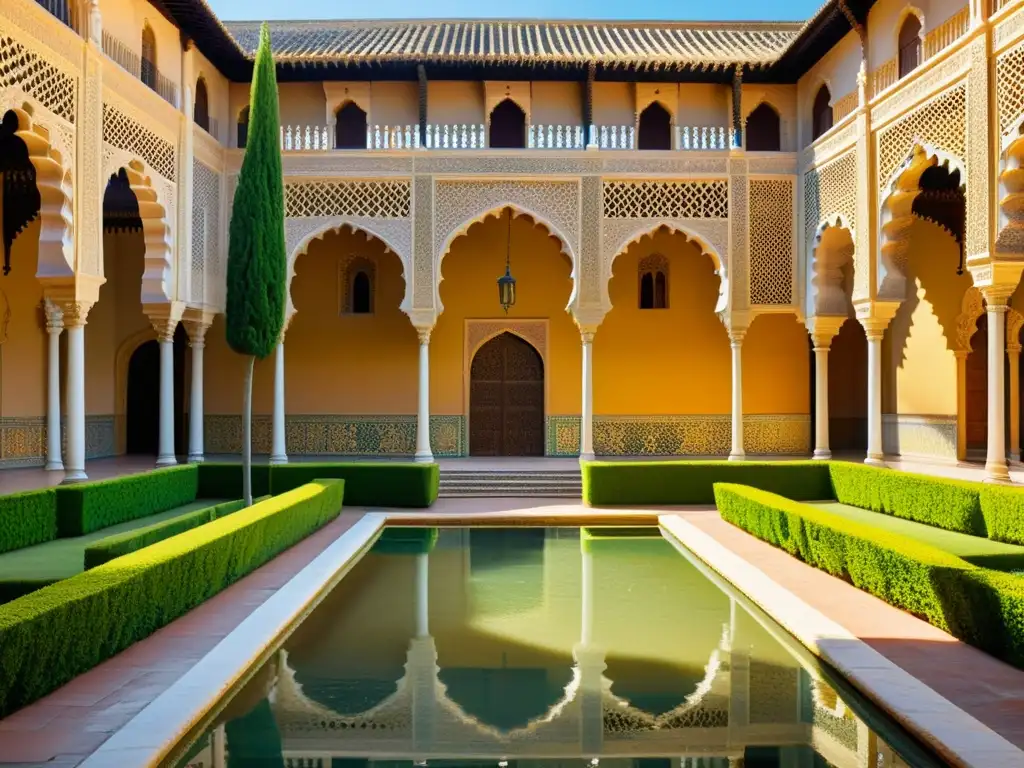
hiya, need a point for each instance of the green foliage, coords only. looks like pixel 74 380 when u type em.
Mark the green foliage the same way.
pixel 1003 510
pixel 87 507
pixel 981 607
pixel 257 268
pixel 125 543
pixel 50 636
pixel 224 481
pixel 691 482
pixel 938 501
pixel 27 518
pixel 378 484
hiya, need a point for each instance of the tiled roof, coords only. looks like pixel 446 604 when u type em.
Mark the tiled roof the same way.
pixel 651 45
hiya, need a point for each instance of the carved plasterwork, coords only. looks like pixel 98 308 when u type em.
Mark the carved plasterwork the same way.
pixel 977 234
pixel 830 195
pixel 478 332
pixel 395 234
pixel 739 237
pixel 39 75
pixel 972 307
pixel 1014 323
pixel 772 252
pixel 30 23
pixel 591 262
pixel 205 228
pixel 831 145
pixel 934 80
pixel 1009 29
pixel 924 436
pixel 364 199
pixel 829 255
pixel 460 204
pixel 423 276
pixel 784 164
pixel 666 199
pixel 124 132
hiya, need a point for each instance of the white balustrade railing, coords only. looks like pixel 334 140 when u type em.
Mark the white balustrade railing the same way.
pixel 307 138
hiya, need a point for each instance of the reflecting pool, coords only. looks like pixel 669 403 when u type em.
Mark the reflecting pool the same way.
pixel 541 647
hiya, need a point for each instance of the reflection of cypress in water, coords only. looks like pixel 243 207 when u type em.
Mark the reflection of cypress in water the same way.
pixel 253 739
pixel 405 541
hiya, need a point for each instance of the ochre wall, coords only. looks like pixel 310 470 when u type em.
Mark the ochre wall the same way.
pixel 23 354
pixel 919 365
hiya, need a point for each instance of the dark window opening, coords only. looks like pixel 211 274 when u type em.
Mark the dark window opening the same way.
pixel 910 45
pixel 508 126
pixel 148 69
pixel 350 127
pixel 821 113
pixel 653 290
pixel 655 129
pixel 660 291
pixel 362 303
pixel 764 130
pixel 243 128
pixel 201 111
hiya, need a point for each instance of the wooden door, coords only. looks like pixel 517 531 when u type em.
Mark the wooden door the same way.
pixel 506 399
pixel 977 388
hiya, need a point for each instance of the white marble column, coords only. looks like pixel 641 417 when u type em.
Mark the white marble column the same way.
pixel 996 469
pixel 821 448
pixel 587 406
pixel 165 336
pixel 1013 355
pixel 737 452
pixel 54 328
pixel 197 341
pixel 74 321
pixel 875 455
pixel 278 450
pixel 423 452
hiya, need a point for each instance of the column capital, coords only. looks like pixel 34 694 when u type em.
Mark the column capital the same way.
pixel 164 318
pixel 997 297
pixel 875 316
pixel 75 313
pixel 423 332
pixel 587 333
pixel 197 322
pixel 823 328
pixel 54 316
pixel 165 328
pixel 588 317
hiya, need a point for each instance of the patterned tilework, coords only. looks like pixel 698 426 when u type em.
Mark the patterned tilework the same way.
pixel 23 440
pixel 919 436
pixel 698 435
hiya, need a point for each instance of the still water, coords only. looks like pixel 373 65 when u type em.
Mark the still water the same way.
pixel 541 647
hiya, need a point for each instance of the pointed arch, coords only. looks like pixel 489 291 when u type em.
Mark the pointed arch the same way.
pixel 201 106
pixel 350 126
pixel 763 129
pixel 821 112
pixel 53 181
pixel 147 62
pixel 507 125
pixel 654 127
pixel 831 255
pixel 242 136
pixel 909 40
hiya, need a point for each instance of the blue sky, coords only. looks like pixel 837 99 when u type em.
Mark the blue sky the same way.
pixel 780 10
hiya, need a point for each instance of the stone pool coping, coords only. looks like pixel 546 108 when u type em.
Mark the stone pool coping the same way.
pixel 955 735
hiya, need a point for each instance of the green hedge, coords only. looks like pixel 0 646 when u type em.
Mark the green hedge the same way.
pixel 939 501
pixel 12 589
pixel 52 635
pixel 378 484
pixel 978 606
pixel 87 507
pixel 27 518
pixel 691 482
pixel 221 480
pixel 125 543
pixel 1003 510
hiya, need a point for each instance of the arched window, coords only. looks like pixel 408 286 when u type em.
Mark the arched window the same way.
pixel 201 110
pixel 653 282
pixel 358 277
pixel 821 113
pixel 764 131
pixel 655 129
pixel 508 126
pixel 147 71
pixel 350 127
pixel 910 44
pixel 243 128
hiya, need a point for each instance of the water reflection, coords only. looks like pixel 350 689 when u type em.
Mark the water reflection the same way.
pixel 536 647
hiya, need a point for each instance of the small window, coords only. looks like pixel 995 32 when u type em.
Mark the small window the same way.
pixel 358 277
pixel 655 128
pixel 910 45
pixel 508 126
pixel 654 282
pixel 764 130
pixel 201 111
pixel 148 70
pixel 243 128
pixel 350 127
pixel 821 113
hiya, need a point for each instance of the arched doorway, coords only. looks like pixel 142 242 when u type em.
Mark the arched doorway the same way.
pixel 976 383
pixel 506 399
pixel 142 406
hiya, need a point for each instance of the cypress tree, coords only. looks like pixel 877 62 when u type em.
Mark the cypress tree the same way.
pixel 257 264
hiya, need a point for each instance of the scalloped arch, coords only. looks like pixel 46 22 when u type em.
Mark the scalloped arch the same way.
pixel 826 294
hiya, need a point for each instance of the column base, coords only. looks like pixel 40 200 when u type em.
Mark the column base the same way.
pixel 997 473
pixel 166 461
pixel 737 457
pixel 74 476
pixel 196 458
pixel 822 453
pixel 424 458
pixel 875 460
pixel 54 466
pixel 279 458
pixel 586 457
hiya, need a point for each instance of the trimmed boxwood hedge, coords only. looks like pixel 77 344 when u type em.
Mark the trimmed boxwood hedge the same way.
pixel 125 543
pixel 379 484
pixel 50 636
pixel 12 589
pixel 608 483
pixel 27 518
pixel 981 607
pixel 88 507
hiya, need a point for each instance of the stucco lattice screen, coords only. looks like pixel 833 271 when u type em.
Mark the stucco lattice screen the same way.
pixel 121 131
pixel 831 190
pixel 940 123
pixel 205 229
pixel 40 79
pixel 771 241
pixel 666 199
pixel 1010 87
pixel 370 199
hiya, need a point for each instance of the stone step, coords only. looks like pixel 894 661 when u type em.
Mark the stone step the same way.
pixel 515 483
pixel 519 493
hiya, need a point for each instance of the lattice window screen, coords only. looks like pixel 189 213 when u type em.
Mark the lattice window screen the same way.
pixel 53 88
pixel 205 227
pixel 771 241
pixel 121 131
pixel 940 123
pixel 829 190
pixel 372 199
pixel 666 199
pixel 1010 87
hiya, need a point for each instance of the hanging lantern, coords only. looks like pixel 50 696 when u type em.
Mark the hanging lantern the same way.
pixel 507 283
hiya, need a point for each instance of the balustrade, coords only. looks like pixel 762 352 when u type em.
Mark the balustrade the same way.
pixel 122 55
pixel 555 137
pixel 947 33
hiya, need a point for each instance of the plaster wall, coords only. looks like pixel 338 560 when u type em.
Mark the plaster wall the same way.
pixel 124 20
pixel 455 102
pixel 703 104
pixel 557 103
pixel 838 70
pixel 887 16
pixel 783 98
pixel 614 103
pixel 218 92
pixel 23 342
pixel 394 103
